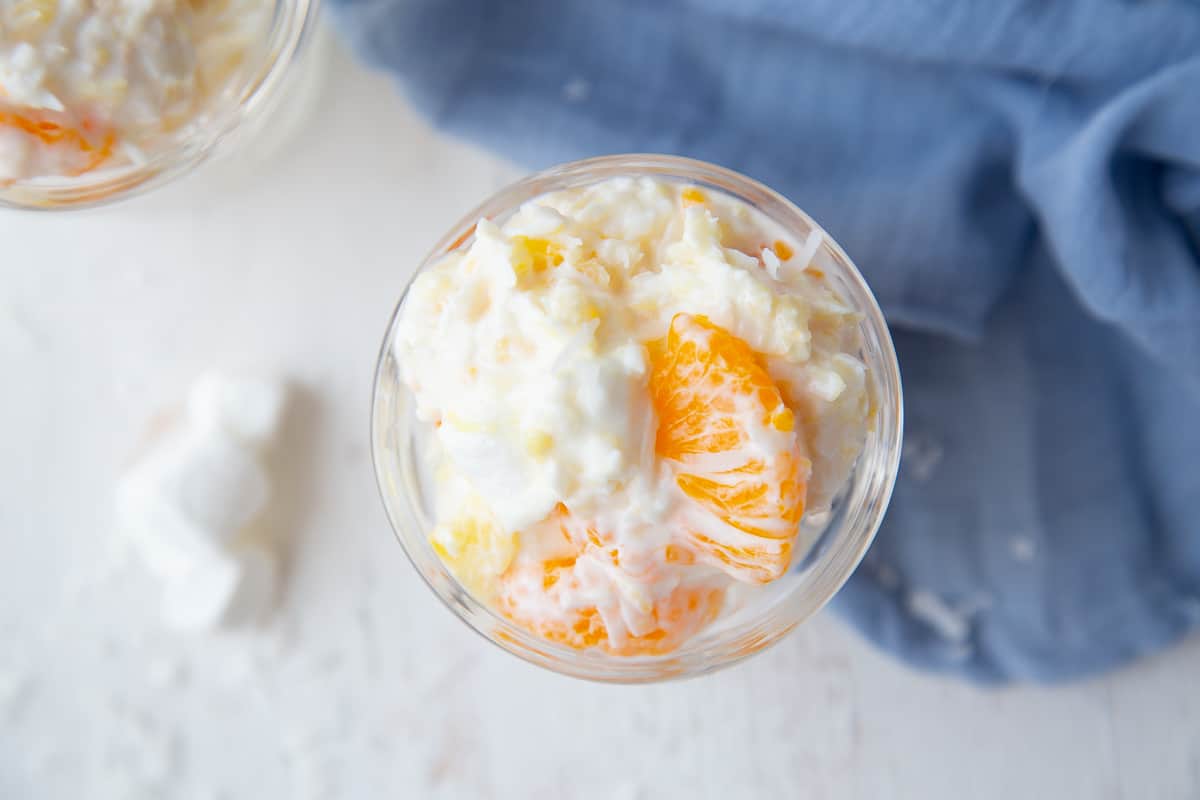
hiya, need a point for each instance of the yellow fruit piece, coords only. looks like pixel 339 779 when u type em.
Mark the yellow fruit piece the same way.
pixel 538 443
pixel 691 196
pixel 475 549
pixel 533 255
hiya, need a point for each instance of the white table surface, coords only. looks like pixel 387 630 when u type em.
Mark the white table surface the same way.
pixel 365 686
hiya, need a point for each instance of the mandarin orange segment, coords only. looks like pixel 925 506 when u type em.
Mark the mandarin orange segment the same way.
pixel 88 147
pixel 674 554
pixel 733 444
pixel 544 597
pixel 673 619
pixel 461 240
pixel 553 569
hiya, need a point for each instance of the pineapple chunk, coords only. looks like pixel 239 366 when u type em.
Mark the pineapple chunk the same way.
pixel 474 547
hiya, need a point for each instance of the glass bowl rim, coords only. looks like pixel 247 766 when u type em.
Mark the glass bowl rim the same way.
pixel 844 559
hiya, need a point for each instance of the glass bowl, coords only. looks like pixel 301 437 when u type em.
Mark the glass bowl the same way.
pixel 241 113
pixel 836 539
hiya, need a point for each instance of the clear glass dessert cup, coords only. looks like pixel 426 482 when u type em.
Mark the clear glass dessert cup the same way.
pixel 229 119
pixel 836 539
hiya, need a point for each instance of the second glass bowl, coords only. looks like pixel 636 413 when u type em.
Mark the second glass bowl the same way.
pixel 241 113
pixel 839 537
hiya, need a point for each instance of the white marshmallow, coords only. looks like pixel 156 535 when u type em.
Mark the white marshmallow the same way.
pixel 167 541
pixel 825 384
pixel 197 487
pixel 219 484
pixel 198 599
pixel 227 589
pixel 186 505
pixel 245 406
pixel 257 589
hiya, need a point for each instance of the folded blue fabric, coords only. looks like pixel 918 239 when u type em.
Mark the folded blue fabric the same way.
pixel 1020 183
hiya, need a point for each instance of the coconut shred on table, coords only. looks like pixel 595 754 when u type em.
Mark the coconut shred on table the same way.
pixel 86 84
pixel 636 389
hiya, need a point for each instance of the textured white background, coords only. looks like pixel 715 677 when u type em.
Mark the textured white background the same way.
pixel 365 686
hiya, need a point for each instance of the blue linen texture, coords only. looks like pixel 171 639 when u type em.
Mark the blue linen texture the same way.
pixel 1020 184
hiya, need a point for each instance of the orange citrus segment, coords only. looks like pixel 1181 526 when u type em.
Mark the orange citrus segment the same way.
pixel 674 554
pixel 547 598
pixel 673 619
pixel 732 441
pixel 85 147
pixel 461 240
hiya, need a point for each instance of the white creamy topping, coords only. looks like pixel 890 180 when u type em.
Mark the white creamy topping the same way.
pixel 527 350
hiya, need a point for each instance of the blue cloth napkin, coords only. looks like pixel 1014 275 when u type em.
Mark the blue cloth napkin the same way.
pixel 1019 181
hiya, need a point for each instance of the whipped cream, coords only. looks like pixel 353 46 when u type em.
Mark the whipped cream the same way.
pixel 526 349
